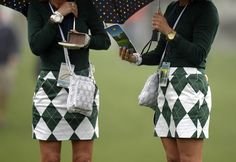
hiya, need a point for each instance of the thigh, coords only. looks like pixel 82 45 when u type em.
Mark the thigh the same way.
pixel 190 149
pixel 50 150
pixel 82 150
pixel 171 149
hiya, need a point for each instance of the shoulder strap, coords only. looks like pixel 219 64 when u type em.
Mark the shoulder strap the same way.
pixel 66 53
pixel 176 23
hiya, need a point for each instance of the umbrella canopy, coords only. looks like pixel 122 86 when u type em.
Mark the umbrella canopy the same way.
pixel 18 5
pixel 118 11
pixel 111 11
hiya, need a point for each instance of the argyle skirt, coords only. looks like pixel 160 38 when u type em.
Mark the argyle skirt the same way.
pixel 51 120
pixel 184 105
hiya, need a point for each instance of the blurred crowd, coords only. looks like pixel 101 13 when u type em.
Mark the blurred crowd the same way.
pixel 9 58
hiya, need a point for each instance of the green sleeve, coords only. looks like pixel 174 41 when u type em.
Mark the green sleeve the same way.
pixel 40 35
pixel 153 57
pixel 99 38
pixel 204 33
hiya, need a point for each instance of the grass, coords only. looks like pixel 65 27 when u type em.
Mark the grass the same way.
pixel 126 129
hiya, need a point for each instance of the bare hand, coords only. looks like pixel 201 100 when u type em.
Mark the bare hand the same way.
pixel 68 7
pixel 126 54
pixel 160 23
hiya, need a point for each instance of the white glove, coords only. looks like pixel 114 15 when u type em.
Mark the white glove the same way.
pixel 87 40
pixel 138 58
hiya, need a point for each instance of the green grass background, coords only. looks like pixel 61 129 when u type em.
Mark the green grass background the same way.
pixel 126 129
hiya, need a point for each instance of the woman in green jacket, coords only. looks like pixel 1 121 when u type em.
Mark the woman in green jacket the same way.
pixel 184 102
pixel 52 123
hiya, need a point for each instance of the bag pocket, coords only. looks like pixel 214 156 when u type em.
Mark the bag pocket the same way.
pixel 81 95
pixel 149 93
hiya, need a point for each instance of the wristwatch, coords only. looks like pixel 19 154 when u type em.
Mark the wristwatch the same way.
pixel 56 17
pixel 171 35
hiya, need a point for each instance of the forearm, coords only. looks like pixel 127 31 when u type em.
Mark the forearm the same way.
pixel 41 35
pixel 196 48
pixel 100 42
pixel 40 39
pixel 150 58
pixel 195 53
pixel 154 57
pixel 99 37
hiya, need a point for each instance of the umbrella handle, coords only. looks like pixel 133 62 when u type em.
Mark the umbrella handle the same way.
pixel 159 5
pixel 155 35
pixel 74 24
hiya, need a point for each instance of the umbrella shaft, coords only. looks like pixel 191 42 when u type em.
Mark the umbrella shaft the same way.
pixel 74 24
pixel 159 5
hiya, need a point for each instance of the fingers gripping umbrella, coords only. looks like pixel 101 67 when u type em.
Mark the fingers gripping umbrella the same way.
pixel 18 5
pixel 118 11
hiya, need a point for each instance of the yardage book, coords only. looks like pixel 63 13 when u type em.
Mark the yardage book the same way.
pixel 119 35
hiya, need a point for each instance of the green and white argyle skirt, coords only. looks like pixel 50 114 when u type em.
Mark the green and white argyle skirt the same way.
pixel 51 120
pixel 184 105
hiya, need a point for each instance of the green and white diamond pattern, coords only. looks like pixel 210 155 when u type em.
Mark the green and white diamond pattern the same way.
pixel 184 105
pixel 51 121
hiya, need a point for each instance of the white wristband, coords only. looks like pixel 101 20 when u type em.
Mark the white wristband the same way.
pixel 56 17
pixel 87 40
pixel 138 58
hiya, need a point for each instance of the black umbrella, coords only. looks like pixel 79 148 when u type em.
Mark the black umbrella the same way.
pixel 18 5
pixel 118 11
pixel 111 11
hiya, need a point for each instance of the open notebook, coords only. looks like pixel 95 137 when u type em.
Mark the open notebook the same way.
pixel 119 35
